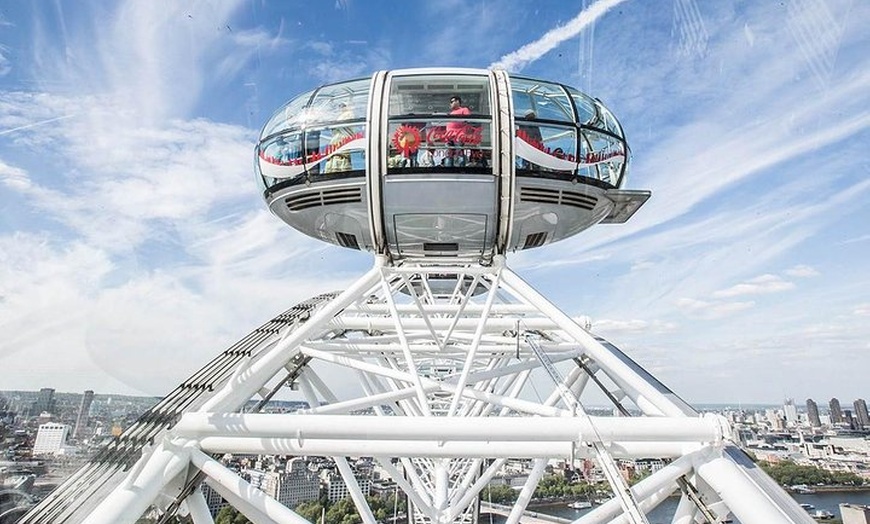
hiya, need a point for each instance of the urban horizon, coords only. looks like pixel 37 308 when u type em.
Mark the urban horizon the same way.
pixel 799 402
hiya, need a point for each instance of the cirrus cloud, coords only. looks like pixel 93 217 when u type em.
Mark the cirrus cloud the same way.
pixel 757 286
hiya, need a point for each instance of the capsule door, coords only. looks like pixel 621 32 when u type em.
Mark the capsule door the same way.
pixel 438 189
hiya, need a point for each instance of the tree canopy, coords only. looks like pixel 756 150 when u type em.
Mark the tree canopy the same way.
pixel 790 474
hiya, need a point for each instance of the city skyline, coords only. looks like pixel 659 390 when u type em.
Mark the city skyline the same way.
pixel 801 404
pixel 134 246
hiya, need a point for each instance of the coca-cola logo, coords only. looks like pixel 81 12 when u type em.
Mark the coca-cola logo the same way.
pixel 464 133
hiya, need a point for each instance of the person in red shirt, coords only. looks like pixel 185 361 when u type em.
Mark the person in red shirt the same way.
pixel 456 108
pixel 455 130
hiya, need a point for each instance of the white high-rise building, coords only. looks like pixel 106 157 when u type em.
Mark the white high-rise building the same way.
pixel 50 438
pixel 290 487
pixel 336 489
pixel 213 499
pixel 791 415
pixel 298 484
pixel 280 486
pixel 774 420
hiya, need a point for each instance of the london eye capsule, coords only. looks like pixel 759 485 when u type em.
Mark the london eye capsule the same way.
pixel 459 163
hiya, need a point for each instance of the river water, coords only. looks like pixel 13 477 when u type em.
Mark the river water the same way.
pixel 829 501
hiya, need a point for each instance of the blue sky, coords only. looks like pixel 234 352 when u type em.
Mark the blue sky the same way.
pixel 134 246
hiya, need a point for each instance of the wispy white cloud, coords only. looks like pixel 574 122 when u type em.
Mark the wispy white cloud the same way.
pixel 34 124
pixel 350 63
pixel 14 178
pixel 152 253
pixel 613 326
pixel 763 284
pixel 710 310
pixel 45 288
pixel 861 238
pixel 5 65
pixel 862 310
pixel 130 179
pixel 640 265
pixel 246 45
pixel 532 51
pixel 802 271
pixel 145 55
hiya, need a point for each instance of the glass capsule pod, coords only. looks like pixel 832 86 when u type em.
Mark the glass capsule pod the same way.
pixel 458 163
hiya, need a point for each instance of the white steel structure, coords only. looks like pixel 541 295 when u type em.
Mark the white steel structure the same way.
pixel 440 363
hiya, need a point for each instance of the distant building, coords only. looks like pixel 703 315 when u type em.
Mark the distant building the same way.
pixel 50 438
pixel 336 489
pixel 813 413
pixel 849 420
pixel 213 499
pixel 774 420
pixel 836 411
pixel 298 484
pixel 861 413
pixel 84 413
pixel 255 477
pixel 45 402
pixel 293 486
pixel 290 487
pixel 855 514
pixel 790 410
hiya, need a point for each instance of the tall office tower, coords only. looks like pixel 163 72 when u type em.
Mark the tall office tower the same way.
pixel 44 402
pixel 813 413
pixel 84 413
pixel 836 411
pixel 790 410
pixel 861 413
pixel 849 420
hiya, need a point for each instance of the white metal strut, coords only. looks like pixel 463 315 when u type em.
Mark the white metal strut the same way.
pixel 442 373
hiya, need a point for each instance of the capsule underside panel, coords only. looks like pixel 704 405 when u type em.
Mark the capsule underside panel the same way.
pixel 546 211
pixel 444 215
pixel 336 212
pixel 437 168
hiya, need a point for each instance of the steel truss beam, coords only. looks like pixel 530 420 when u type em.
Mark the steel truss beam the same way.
pixel 458 368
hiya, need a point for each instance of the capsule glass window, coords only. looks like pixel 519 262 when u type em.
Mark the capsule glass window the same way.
pixel 339 103
pixel 534 99
pixel 602 157
pixel 417 95
pixel 439 122
pixel 587 112
pixel 336 148
pixel 545 149
pixel 288 117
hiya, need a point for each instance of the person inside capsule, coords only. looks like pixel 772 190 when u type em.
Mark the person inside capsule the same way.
pixel 455 129
pixel 340 161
